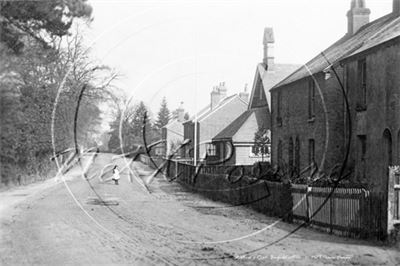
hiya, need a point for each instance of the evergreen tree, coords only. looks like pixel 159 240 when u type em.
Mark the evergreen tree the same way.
pixel 40 20
pixel 138 120
pixel 37 47
pixel 163 114
pixel 262 142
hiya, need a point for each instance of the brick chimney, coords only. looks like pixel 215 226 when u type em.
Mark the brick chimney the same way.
pixel 244 95
pixel 396 7
pixel 268 41
pixel 218 94
pixel 215 97
pixel 180 113
pixel 357 16
pixel 222 90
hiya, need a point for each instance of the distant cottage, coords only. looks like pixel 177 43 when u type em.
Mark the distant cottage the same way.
pixel 172 133
pixel 348 96
pixel 221 111
pixel 240 133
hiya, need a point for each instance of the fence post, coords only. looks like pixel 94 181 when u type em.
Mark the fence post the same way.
pixel 331 212
pixel 176 168
pixel 309 189
pixel 363 217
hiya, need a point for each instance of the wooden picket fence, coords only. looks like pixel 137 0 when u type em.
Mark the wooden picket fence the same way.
pixel 351 212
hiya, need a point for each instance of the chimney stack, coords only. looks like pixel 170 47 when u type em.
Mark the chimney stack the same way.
pixel 222 90
pixel 396 7
pixel 244 95
pixel 180 113
pixel 268 42
pixel 357 16
pixel 218 93
pixel 215 97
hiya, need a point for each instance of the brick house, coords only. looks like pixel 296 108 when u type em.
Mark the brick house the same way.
pixel 240 133
pixel 310 118
pixel 221 111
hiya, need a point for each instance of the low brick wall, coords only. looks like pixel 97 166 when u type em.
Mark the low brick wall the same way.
pixel 271 198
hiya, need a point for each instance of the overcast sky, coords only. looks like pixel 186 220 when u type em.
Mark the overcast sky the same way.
pixel 181 49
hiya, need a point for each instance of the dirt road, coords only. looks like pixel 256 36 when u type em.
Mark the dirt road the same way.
pixel 53 224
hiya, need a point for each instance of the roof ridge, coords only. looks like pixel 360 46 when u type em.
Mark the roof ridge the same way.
pixel 232 128
pixel 345 46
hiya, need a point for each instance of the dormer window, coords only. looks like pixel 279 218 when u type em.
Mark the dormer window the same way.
pixel 211 149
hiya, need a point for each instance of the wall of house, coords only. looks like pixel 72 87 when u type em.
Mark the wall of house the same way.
pixel 326 128
pixel 225 155
pixel 174 135
pixel 188 133
pixel 382 113
pixel 218 120
pixel 247 130
pixel 246 135
pixel 242 155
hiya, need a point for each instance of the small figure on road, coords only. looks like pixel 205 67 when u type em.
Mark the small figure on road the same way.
pixel 116 176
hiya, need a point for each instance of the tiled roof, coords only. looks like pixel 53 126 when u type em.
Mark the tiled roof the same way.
pixel 270 78
pixel 174 121
pixel 207 110
pixel 233 127
pixel 261 118
pixel 371 35
pixel 278 73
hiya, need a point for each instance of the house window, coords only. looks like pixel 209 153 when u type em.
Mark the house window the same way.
pixel 261 152
pixel 362 143
pixel 279 108
pixel 362 85
pixel 159 151
pixel 311 152
pixel 228 150
pixel 387 137
pixel 311 99
pixel 398 147
pixel 254 152
pixel 211 149
pixel 297 156
pixel 290 153
pixel 222 150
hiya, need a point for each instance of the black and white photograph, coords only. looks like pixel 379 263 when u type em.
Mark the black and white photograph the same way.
pixel 200 132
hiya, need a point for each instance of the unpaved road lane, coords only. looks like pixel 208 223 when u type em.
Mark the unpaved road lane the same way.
pixel 49 228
